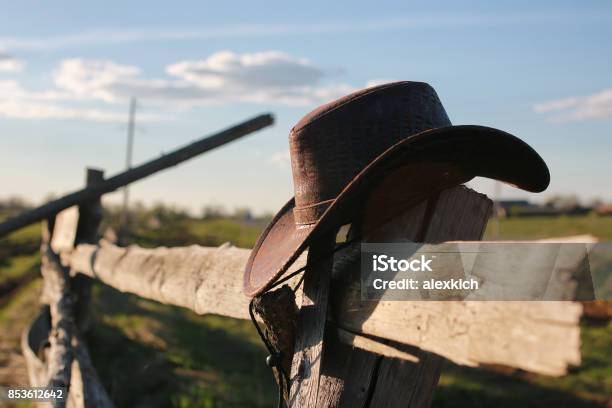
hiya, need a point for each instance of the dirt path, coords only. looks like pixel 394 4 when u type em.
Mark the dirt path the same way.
pixel 19 307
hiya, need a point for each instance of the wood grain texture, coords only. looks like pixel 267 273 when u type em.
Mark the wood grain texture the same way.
pixel 34 341
pixel 308 352
pixel 454 214
pixel 207 280
pixel 349 377
pixel 66 361
pixel 56 292
pixel 86 389
pixel 541 337
pixel 278 312
pixel 86 232
pixel 374 346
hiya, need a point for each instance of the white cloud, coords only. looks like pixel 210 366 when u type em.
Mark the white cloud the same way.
pixel 33 110
pixel 557 104
pixel 577 108
pixel 9 63
pixel 19 103
pixel 281 159
pixel 11 90
pixel 107 81
pixel 270 77
pixel 92 79
pixel 270 69
pixel 225 77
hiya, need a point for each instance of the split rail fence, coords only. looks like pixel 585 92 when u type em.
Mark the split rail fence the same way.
pixel 372 354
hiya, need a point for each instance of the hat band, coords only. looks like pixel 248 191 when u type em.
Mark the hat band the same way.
pixel 309 214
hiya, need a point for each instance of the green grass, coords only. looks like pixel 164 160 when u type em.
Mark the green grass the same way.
pixel 589 385
pixel 531 228
pixel 24 236
pixel 238 233
pixel 149 354
pixel 594 376
pixel 19 267
pixel 15 314
pixel 19 258
pixel 585 386
pixel 179 358
pixel 20 308
pixel 546 227
pixel 200 232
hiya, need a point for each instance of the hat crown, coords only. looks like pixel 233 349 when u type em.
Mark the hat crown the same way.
pixel 333 143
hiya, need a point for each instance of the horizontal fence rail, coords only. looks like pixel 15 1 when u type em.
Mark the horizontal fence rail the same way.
pixel 542 337
pixel 137 173
pixel 537 336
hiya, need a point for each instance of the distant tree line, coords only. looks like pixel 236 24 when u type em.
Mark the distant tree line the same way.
pixel 13 205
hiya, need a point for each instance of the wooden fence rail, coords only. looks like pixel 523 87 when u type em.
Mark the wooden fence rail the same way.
pixel 137 173
pixel 209 281
pixel 395 338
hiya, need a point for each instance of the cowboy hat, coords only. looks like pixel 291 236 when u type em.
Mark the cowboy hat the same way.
pixel 393 142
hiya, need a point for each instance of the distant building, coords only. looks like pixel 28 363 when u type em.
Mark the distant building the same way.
pixel 523 208
pixel 604 210
pixel 577 210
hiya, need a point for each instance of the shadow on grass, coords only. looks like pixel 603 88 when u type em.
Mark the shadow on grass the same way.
pixel 473 387
pixel 153 355
pixel 149 354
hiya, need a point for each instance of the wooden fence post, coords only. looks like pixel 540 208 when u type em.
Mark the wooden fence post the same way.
pixel 66 362
pixel 308 354
pixel 87 232
pixel 352 377
pixel 56 293
pixel 384 353
pixel 459 214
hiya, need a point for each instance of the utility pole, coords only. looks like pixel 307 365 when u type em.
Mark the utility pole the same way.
pixel 128 165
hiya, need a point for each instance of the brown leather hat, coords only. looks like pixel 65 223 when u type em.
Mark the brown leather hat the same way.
pixel 380 148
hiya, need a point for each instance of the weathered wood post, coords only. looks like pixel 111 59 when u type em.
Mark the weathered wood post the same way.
pixel 87 232
pixel 456 214
pixel 410 336
pixel 66 362
pixel 333 374
pixel 56 293
pixel 308 349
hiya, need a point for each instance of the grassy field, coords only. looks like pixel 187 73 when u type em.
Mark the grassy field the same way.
pixel 178 357
pixel 545 227
pixel 151 355
pixel 198 232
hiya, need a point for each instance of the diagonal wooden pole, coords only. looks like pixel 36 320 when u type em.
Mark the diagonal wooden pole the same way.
pixel 137 173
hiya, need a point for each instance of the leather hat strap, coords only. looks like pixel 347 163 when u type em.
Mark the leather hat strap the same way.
pixel 311 213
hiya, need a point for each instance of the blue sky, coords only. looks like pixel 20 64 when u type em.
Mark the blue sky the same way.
pixel 540 70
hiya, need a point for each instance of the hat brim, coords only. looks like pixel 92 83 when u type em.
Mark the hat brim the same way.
pixel 403 175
